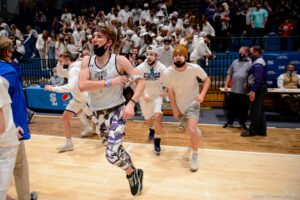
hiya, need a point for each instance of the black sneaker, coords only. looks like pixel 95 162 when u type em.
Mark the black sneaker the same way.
pixel 151 134
pixel 141 175
pixel 136 181
pixel 33 196
pixel 157 145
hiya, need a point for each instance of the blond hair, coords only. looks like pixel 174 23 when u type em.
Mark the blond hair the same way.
pixel 5 44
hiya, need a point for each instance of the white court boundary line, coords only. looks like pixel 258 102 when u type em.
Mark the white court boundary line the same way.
pixel 132 144
pixel 142 121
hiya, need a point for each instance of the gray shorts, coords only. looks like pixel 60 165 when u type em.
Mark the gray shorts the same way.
pixel 190 113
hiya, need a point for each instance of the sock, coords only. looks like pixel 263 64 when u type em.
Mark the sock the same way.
pixel 69 141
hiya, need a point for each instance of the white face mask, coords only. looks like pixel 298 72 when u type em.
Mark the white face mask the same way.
pixel 180 59
pixel 167 46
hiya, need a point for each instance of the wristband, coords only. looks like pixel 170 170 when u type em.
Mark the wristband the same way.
pixel 108 83
pixel 133 101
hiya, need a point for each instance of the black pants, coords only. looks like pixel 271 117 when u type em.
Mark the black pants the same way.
pixel 238 106
pixel 257 113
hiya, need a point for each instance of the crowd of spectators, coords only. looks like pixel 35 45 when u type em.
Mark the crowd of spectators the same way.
pixel 225 22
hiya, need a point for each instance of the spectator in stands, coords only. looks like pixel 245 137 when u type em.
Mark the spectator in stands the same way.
pixel 3 32
pixel 238 29
pixel 145 14
pixel 42 20
pixel 238 100
pixel 290 80
pixel 259 19
pixel 127 43
pixel 51 46
pixel 17 96
pixel 124 14
pixel 257 87
pixel 16 33
pixel 55 79
pixel 201 51
pixel 249 8
pixel 31 40
pixel 165 53
pixel 66 16
pixel 285 31
pixel 210 11
pixel 205 27
pixel 136 13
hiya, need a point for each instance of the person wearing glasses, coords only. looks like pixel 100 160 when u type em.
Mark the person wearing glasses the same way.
pixel 152 98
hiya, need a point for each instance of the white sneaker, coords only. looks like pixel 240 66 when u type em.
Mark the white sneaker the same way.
pixel 194 162
pixel 87 130
pixel 65 147
pixel 181 128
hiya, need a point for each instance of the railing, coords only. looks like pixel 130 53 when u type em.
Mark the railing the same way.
pixel 35 71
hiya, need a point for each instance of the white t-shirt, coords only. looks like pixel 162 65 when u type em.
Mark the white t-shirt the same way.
pixel 153 82
pixel 166 56
pixel 184 84
pixel 9 137
pixel 72 85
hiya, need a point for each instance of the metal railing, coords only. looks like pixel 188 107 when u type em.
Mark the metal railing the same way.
pixel 35 71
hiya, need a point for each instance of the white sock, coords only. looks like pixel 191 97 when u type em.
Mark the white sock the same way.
pixel 68 140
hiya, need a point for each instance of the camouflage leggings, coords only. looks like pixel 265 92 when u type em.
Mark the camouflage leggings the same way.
pixel 115 152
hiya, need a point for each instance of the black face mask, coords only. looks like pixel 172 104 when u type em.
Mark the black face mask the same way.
pixel 99 51
pixel 241 57
pixel 179 64
pixel 65 66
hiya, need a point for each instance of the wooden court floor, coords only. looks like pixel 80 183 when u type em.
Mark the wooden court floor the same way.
pixel 84 174
pixel 279 140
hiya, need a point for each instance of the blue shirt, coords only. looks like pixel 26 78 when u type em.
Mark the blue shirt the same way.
pixel 258 17
pixel 17 96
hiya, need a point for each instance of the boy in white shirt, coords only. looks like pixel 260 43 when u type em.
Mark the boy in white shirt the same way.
pixel 183 91
pixel 152 99
pixel 78 105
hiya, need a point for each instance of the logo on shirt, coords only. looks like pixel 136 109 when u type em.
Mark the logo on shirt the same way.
pixel 99 75
pixel 152 76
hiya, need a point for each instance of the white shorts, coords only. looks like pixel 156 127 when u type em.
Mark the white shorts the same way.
pixel 76 106
pixel 149 108
pixel 7 163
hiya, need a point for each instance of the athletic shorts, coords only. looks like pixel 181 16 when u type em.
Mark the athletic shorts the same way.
pixel 149 108
pixel 76 106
